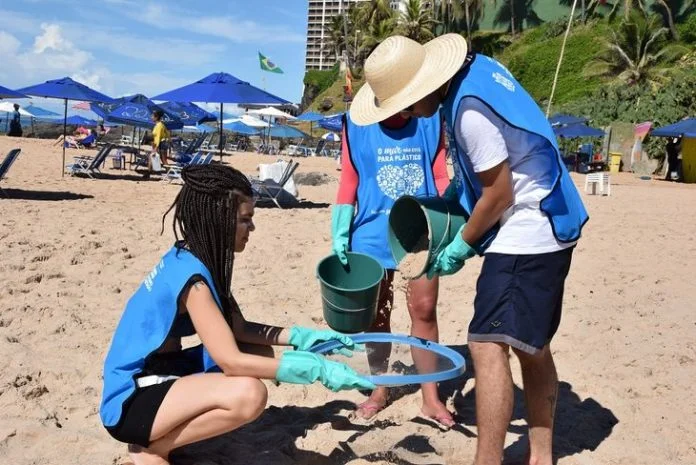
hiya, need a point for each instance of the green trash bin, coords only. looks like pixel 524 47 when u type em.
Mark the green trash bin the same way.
pixel 413 217
pixel 350 293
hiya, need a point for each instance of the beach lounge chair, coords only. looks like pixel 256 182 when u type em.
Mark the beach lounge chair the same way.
pixel 5 166
pixel 193 146
pixel 88 165
pixel 270 190
pixel 173 172
pixel 88 141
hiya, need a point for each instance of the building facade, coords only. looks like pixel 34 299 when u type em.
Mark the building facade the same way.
pixel 320 12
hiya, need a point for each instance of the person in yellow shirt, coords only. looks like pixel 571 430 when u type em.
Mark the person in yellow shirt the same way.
pixel 160 136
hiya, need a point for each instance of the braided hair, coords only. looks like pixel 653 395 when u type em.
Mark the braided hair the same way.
pixel 205 221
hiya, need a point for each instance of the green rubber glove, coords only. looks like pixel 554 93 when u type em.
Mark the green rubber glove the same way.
pixel 298 367
pixel 451 259
pixel 305 338
pixel 341 221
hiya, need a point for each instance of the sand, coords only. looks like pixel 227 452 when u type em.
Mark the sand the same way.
pixel 415 261
pixel 73 250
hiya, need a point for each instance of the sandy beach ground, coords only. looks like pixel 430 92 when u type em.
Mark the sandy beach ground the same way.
pixel 74 249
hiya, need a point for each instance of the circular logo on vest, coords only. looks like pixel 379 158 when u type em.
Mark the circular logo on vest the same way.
pixel 395 181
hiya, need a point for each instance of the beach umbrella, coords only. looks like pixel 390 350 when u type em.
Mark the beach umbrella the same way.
pixel 198 128
pixel 248 120
pixel 82 106
pixel 8 107
pixel 240 128
pixel 312 117
pixel 66 89
pixel 560 119
pixel 78 120
pixel 272 112
pixel 9 93
pixel 221 88
pixel 189 113
pixel 331 137
pixel 286 132
pixel 136 110
pixel 572 131
pixel 39 112
pixel 332 122
pixel 680 128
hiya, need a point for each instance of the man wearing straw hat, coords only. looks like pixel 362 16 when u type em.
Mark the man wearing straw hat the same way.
pixel 525 216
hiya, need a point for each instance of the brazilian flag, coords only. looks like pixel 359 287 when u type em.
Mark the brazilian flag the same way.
pixel 268 65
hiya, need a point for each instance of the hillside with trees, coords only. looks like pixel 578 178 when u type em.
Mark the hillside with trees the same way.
pixel 627 61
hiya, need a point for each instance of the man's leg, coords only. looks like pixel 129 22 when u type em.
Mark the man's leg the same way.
pixel 540 395
pixel 494 399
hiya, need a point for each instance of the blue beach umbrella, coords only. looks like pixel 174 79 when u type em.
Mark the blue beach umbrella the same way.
pixel 333 122
pixel 78 120
pixel 560 119
pixel 286 132
pixel 686 126
pixel 9 93
pixel 198 128
pixel 312 117
pixel 240 128
pixel 66 89
pixel 190 114
pixel 136 110
pixel 221 88
pixel 42 113
pixel 572 131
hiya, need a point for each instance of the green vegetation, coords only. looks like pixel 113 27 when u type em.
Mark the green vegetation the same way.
pixel 533 58
pixel 321 80
pixel 627 61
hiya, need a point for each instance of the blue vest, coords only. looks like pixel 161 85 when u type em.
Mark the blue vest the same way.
pixel 145 324
pixel 390 163
pixel 491 83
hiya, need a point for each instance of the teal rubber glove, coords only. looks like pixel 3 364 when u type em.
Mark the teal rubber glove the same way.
pixel 451 259
pixel 298 367
pixel 305 338
pixel 341 221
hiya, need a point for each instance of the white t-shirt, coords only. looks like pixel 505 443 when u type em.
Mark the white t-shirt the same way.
pixel 488 141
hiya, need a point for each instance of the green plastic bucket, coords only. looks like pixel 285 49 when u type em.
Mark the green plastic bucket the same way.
pixel 412 217
pixel 350 293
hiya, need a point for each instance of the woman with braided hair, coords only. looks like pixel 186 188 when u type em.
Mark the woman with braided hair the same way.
pixel 158 397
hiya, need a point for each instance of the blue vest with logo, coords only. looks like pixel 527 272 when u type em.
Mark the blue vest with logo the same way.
pixel 144 327
pixel 390 163
pixel 491 83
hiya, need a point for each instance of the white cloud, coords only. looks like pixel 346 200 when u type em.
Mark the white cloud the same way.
pixel 228 27
pixel 169 51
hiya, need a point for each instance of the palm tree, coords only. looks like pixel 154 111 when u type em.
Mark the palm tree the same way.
pixel 376 33
pixel 374 11
pixel 635 50
pixel 416 22
pixel 628 7
pixel 334 36
pixel 515 13
pixel 455 15
pixel 673 11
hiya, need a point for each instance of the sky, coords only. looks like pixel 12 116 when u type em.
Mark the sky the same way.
pixel 122 47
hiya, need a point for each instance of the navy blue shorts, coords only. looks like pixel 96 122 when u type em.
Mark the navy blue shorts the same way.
pixel 519 299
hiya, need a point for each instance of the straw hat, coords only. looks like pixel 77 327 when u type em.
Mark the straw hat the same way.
pixel 400 72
